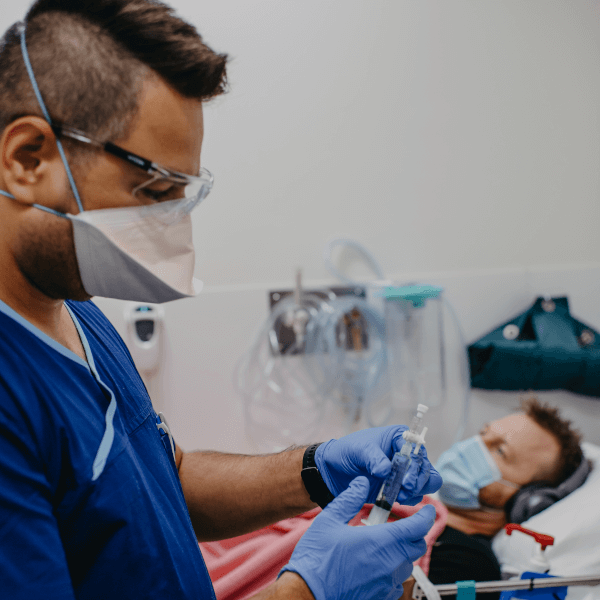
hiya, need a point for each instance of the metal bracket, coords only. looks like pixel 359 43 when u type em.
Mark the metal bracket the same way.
pixel 350 330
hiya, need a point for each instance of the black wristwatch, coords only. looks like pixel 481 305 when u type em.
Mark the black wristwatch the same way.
pixel 313 482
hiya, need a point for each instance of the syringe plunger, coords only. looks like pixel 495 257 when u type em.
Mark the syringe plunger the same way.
pixel 421 410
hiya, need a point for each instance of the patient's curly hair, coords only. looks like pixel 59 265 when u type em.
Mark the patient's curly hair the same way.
pixel 569 439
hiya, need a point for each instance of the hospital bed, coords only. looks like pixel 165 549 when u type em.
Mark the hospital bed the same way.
pixel 574 522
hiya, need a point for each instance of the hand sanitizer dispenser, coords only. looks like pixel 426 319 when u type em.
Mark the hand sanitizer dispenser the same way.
pixel 145 324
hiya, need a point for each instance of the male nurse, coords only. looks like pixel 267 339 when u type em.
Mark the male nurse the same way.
pixel 100 168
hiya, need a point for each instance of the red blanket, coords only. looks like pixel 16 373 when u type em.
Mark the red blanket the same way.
pixel 244 565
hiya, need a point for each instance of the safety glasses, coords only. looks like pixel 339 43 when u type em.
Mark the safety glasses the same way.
pixel 164 185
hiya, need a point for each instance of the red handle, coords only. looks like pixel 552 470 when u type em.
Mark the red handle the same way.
pixel 541 538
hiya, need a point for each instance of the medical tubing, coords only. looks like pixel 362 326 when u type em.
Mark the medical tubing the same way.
pixel 358 371
pixel 466 374
pixel 423 582
pixel 374 265
pixel 364 401
pixel 243 365
pixel 365 254
pixel 282 389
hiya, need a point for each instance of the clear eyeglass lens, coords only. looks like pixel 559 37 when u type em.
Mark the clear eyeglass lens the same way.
pixel 173 206
pixel 171 198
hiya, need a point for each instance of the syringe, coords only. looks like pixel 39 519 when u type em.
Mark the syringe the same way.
pixel 400 463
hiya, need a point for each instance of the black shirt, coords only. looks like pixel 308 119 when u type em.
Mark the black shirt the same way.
pixel 457 556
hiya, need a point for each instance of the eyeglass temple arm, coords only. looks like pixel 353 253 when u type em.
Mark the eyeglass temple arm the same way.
pixel 111 148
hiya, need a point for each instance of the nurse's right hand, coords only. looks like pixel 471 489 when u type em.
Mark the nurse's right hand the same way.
pixel 341 562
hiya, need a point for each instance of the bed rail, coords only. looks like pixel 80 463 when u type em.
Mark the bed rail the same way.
pixel 522 584
pixel 424 589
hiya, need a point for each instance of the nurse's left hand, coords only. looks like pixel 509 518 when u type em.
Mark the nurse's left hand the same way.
pixel 368 453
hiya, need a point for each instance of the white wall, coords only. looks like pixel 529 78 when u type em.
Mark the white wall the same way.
pixel 443 135
pixel 207 335
pixel 459 141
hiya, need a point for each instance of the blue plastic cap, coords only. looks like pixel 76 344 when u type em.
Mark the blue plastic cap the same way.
pixel 417 294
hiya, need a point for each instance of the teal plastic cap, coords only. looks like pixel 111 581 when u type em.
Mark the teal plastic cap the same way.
pixel 417 294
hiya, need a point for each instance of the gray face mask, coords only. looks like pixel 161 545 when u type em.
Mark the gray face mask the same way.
pixel 142 253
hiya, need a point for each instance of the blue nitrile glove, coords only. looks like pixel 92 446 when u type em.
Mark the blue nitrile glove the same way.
pixel 369 452
pixel 340 562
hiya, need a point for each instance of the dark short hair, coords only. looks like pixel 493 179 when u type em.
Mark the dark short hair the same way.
pixel 569 439
pixel 90 58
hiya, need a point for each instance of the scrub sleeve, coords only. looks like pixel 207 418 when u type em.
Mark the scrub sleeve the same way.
pixel 90 500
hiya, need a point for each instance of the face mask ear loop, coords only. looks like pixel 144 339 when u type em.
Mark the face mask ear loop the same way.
pixel 40 100
pixel 515 486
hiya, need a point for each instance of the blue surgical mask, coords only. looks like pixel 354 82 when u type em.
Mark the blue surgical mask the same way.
pixel 466 467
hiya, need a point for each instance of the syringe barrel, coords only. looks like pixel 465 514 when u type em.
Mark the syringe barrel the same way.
pixel 406 448
pixel 391 488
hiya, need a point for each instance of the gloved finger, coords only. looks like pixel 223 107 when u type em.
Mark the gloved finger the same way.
pixel 415 550
pixel 434 483
pixel 417 475
pixel 410 550
pixel 398 439
pixel 415 479
pixel 415 527
pixel 419 483
pixel 399 577
pixel 377 463
pixel 349 502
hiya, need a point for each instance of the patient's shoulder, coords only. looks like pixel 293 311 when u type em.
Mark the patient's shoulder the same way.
pixel 457 556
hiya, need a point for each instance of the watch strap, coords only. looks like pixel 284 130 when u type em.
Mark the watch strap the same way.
pixel 313 481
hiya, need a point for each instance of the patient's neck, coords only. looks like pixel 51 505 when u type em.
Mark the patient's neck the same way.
pixel 471 522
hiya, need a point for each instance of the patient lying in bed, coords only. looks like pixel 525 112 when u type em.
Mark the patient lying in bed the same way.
pixel 487 483
pixel 517 466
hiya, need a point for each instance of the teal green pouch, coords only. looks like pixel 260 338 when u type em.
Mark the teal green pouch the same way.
pixel 544 348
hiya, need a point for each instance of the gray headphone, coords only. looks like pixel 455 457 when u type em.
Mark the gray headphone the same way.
pixel 535 497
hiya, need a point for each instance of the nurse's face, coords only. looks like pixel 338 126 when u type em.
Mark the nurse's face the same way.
pixel 524 452
pixel 168 129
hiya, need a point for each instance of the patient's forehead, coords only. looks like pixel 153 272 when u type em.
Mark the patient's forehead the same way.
pixel 528 442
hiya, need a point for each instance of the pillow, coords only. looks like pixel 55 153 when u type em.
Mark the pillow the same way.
pixel 574 522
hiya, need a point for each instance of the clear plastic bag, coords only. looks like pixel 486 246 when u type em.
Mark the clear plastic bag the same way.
pixel 283 387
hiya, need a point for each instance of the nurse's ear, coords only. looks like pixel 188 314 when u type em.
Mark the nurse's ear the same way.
pixel 31 168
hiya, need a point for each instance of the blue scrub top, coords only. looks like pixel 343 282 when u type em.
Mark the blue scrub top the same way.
pixel 91 505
